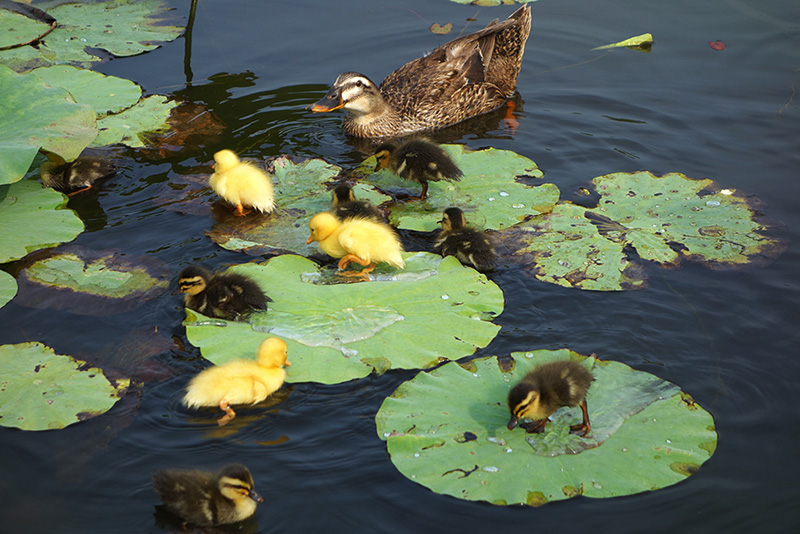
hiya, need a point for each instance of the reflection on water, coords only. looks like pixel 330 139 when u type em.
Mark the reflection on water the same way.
pixel 728 338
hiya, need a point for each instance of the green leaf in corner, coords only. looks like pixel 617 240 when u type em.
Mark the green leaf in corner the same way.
pixel 8 288
pixel 43 390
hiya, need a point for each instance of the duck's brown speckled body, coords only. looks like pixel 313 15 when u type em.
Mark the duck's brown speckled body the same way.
pixel 466 77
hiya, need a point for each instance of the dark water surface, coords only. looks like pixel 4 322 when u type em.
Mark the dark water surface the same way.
pixel 729 338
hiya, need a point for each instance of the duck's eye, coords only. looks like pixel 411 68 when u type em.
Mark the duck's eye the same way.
pixel 359 83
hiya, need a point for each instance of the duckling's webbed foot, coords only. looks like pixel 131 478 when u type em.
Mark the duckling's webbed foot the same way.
pixel 584 427
pixel 534 427
pixel 229 413
pixel 240 211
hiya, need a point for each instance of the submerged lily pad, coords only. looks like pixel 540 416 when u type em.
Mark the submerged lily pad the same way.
pixel 446 429
pixel 8 288
pixel 493 193
pixel 432 311
pixel 35 115
pixel 665 219
pixel 90 282
pixel 300 193
pixel 85 29
pixel 131 126
pixel 42 390
pixel 32 218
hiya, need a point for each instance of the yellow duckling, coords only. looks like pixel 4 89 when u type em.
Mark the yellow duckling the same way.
pixel 223 295
pixel 358 240
pixel 242 183
pixel 546 389
pixel 203 498
pixel 240 381
pixel 345 206
pixel 418 160
pixel 472 247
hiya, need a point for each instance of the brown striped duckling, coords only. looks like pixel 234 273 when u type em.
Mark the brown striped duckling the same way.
pixel 74 176
pixel 472 247
pixel 222 295
pixel 465 77
pixel 345 206
pixel 241 183
pixel 544 390
pixel 203 498
pixel 240 382
pixel 418 160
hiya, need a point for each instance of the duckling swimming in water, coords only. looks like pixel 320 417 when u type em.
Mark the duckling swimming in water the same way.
pixel 240 381
pixel 203 498
pixel 547 388
pixel 223 295
pixel 75 176
pixel 418 160
pixel 345 206
pixel 465 77
pixel 242 183
pixel 472 247
pixel 358 240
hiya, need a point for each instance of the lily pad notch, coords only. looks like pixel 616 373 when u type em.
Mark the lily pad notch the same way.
pixel 446 429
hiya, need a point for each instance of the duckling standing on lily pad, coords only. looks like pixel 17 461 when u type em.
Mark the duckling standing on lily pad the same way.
pixel 468 76
pixel 241 183
pixel 544 390
pixel 358 240
pixel 240 381
pixel 418 160
pixel 223 295
pixel 345 206
pixel 203 498
pixel 472 247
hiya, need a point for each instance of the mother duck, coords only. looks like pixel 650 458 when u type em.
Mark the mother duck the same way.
pixel 466 77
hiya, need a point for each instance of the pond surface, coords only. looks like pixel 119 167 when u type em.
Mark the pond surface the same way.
pixel 728 338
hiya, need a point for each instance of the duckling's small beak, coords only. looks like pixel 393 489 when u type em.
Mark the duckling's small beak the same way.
pixel 513 422
pixel 310 240
pixel 287 364
pixel 332 101
pixel 255 496
pixel 440 221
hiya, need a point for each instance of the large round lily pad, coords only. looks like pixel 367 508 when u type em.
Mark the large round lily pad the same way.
pixel 499 188
pixel 35 115
pixel 122 29
pixel 446 429
pixel 300 193
pixel 106 94
pixel 665 219
pixel 31 218
pixel 42 390
pixel 90 282
pixel 432 311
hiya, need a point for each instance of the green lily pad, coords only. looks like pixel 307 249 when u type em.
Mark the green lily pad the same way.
pixel 644 40
pixel 665 219
pixel 434 310
pixel 566 249
pixel 493 193
pixel 8 288
pixel 131 126
pixel 42 390
pixel 446 429
pixel 122 29
pixel 300 193
pixel 32 218
pixel 35 115
pixel 89 282
pixel 106 94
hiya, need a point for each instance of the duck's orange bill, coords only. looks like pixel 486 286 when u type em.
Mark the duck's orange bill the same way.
pixel 327 104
